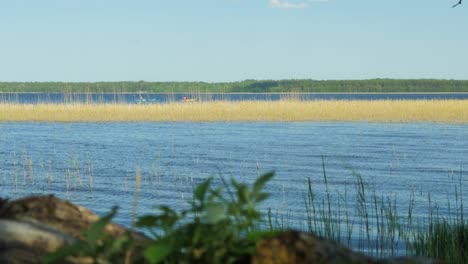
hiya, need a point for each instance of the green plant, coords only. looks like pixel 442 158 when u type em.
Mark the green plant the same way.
pixel 214 229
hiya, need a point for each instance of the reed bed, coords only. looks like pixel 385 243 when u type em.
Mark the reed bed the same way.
pixel 452 111
pixel 369 221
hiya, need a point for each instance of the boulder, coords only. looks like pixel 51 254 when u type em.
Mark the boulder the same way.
pixel 298 247
pixel 34 226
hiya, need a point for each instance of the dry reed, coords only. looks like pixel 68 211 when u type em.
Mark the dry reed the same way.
pixel 452 111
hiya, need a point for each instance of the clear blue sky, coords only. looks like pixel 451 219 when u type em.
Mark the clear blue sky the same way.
pixel 231 40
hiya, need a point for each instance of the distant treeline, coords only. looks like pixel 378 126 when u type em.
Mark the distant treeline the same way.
pixel 251 86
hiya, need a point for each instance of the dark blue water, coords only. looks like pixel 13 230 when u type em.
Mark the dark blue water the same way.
pixel 163 98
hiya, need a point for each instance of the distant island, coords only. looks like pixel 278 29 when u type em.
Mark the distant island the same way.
pixel 246 86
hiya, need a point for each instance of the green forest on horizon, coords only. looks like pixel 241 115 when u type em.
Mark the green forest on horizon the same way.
pixel 246 86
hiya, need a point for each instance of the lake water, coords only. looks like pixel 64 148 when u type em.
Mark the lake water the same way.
pixel 94 164
pixel 163 98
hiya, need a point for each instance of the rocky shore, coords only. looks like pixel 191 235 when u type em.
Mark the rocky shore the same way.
pixel 34 226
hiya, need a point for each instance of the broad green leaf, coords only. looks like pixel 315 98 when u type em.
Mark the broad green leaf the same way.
pixel 118 245
pixel 243 194
pixel 214 212
pixel 261 197
pixel 260 182
pixel 201 189
pixel 235 184
pixel 217 192
pixel 96 230
pixel 147 221
pixel 196 235
pixel 158 251
pixel 166 210
pixel 166 219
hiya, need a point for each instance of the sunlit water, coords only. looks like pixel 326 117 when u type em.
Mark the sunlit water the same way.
pixel 94 164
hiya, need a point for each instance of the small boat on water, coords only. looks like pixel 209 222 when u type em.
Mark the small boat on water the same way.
pixel 186 99
pixel 142 100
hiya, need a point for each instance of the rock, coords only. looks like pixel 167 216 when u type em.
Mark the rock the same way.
pixel 55 213
pixel 298 247
pixel 26 242
pixel 34 226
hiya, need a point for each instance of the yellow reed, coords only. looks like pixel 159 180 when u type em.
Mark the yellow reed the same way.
pixel 451 111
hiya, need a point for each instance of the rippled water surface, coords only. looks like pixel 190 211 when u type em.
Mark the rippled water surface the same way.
pixel 95 164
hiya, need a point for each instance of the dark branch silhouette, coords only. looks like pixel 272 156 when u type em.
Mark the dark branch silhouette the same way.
pixel 459 3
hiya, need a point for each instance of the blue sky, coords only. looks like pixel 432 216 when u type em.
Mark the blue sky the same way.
pixel 231 40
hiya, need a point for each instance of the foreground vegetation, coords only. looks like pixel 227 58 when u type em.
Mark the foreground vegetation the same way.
pixel 453 111
pixel 214 229
pixel 253 86
pixel 223 225
pixel 359 217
